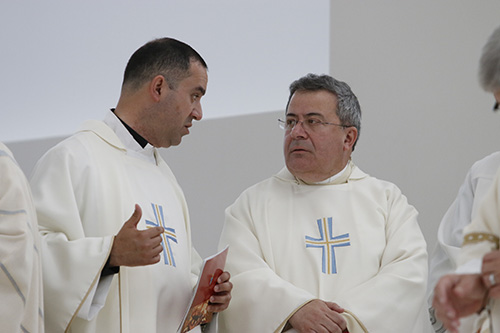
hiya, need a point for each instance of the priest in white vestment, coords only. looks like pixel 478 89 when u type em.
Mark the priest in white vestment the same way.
pixel 21 291
pixel 463 301
pixel 444 259
pixel 321 246
pixel 474 288
pixel 114 222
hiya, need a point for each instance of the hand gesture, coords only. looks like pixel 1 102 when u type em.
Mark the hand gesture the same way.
pixel 219 301
pixel 457 296
pixel 133 247
pixel 320 317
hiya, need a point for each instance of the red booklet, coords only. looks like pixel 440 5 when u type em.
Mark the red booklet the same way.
pixel 197 313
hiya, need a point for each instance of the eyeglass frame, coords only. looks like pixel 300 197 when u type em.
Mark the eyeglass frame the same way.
pixel 283 124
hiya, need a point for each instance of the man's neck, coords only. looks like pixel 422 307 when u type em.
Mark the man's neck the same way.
pixel 137 137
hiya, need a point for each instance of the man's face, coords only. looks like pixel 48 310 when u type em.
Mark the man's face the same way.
pixel 315 155
pixel 178 107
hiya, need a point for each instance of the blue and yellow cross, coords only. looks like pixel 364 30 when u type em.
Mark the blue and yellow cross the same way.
pixel 327 243
pixel 167 235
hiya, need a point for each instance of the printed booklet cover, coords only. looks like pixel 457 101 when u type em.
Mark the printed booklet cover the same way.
pixel 197 313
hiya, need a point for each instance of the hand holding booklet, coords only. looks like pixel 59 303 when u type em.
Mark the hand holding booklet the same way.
pixel 197 312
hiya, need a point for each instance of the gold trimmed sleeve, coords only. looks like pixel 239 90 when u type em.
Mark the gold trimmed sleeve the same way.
pixel 478 237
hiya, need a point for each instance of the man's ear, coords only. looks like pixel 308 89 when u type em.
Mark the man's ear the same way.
pixel 350 137
pixel 157 87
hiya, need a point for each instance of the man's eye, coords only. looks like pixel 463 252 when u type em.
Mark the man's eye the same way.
pixel 313 121
pixel 195 97
pixel 290 122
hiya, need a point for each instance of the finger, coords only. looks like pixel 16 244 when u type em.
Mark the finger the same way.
pixel 136 217
pixel 443 311
pixel 225 276
pixel 488 265
pixel 157 250
pixel 338 319
pixel 491 255
pixel 216 308
pixel 152 232
pixel 223 287
pixel 220 298
pixel 335 307
pixel 219 303
pixel 154 241
pixel 328 328
pixel 486 280
pixel 155 259
pixel 443 288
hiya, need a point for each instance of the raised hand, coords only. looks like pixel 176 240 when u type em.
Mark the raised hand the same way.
pixel 133 247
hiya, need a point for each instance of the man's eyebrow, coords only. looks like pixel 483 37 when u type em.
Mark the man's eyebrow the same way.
pixel 200 89
pixel 310 114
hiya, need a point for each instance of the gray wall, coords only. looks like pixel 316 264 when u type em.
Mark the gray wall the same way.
pixel 218 161
pixel 413 66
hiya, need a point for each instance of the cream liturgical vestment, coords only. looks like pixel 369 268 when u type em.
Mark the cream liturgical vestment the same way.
pixel 450 233
pixel 85 188
pixel 481 237
pixel 355 242
pixel 21 299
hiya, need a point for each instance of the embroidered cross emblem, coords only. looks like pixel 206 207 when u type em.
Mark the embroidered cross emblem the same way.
pixel 327 243
pixel 167 235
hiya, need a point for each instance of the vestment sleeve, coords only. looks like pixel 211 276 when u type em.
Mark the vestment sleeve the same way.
pixel 20 271
pixel 482 235
pixel 450 235
pixel 72 261
pixel 254 281
pixel 397 292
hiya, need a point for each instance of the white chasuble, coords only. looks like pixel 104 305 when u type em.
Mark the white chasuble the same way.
pixel 21 292
pixel 462 211
pixel 356 243
pixel 85 188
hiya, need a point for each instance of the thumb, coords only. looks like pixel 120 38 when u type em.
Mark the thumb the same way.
pixel 136 217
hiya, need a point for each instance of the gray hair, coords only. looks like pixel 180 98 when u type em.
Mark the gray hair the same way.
pixel 348 109
pixel 489 65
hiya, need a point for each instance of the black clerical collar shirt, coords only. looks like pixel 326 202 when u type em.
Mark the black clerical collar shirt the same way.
pixel 140 140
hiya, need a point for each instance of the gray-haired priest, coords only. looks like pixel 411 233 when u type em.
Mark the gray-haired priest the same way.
pixel 322 246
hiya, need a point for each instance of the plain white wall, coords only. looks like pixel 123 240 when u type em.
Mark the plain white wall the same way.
pixel 63 61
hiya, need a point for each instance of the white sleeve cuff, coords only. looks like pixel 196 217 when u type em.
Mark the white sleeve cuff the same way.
pixel 471 267
pixel 96 298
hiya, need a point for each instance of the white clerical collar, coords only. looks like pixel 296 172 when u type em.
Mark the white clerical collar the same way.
pixel 133 147
pixel 332 178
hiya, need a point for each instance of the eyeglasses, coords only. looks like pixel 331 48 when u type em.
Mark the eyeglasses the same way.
pixel 309 124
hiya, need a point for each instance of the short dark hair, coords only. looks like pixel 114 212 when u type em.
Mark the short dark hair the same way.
pixel 348 109
pixel 164 56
